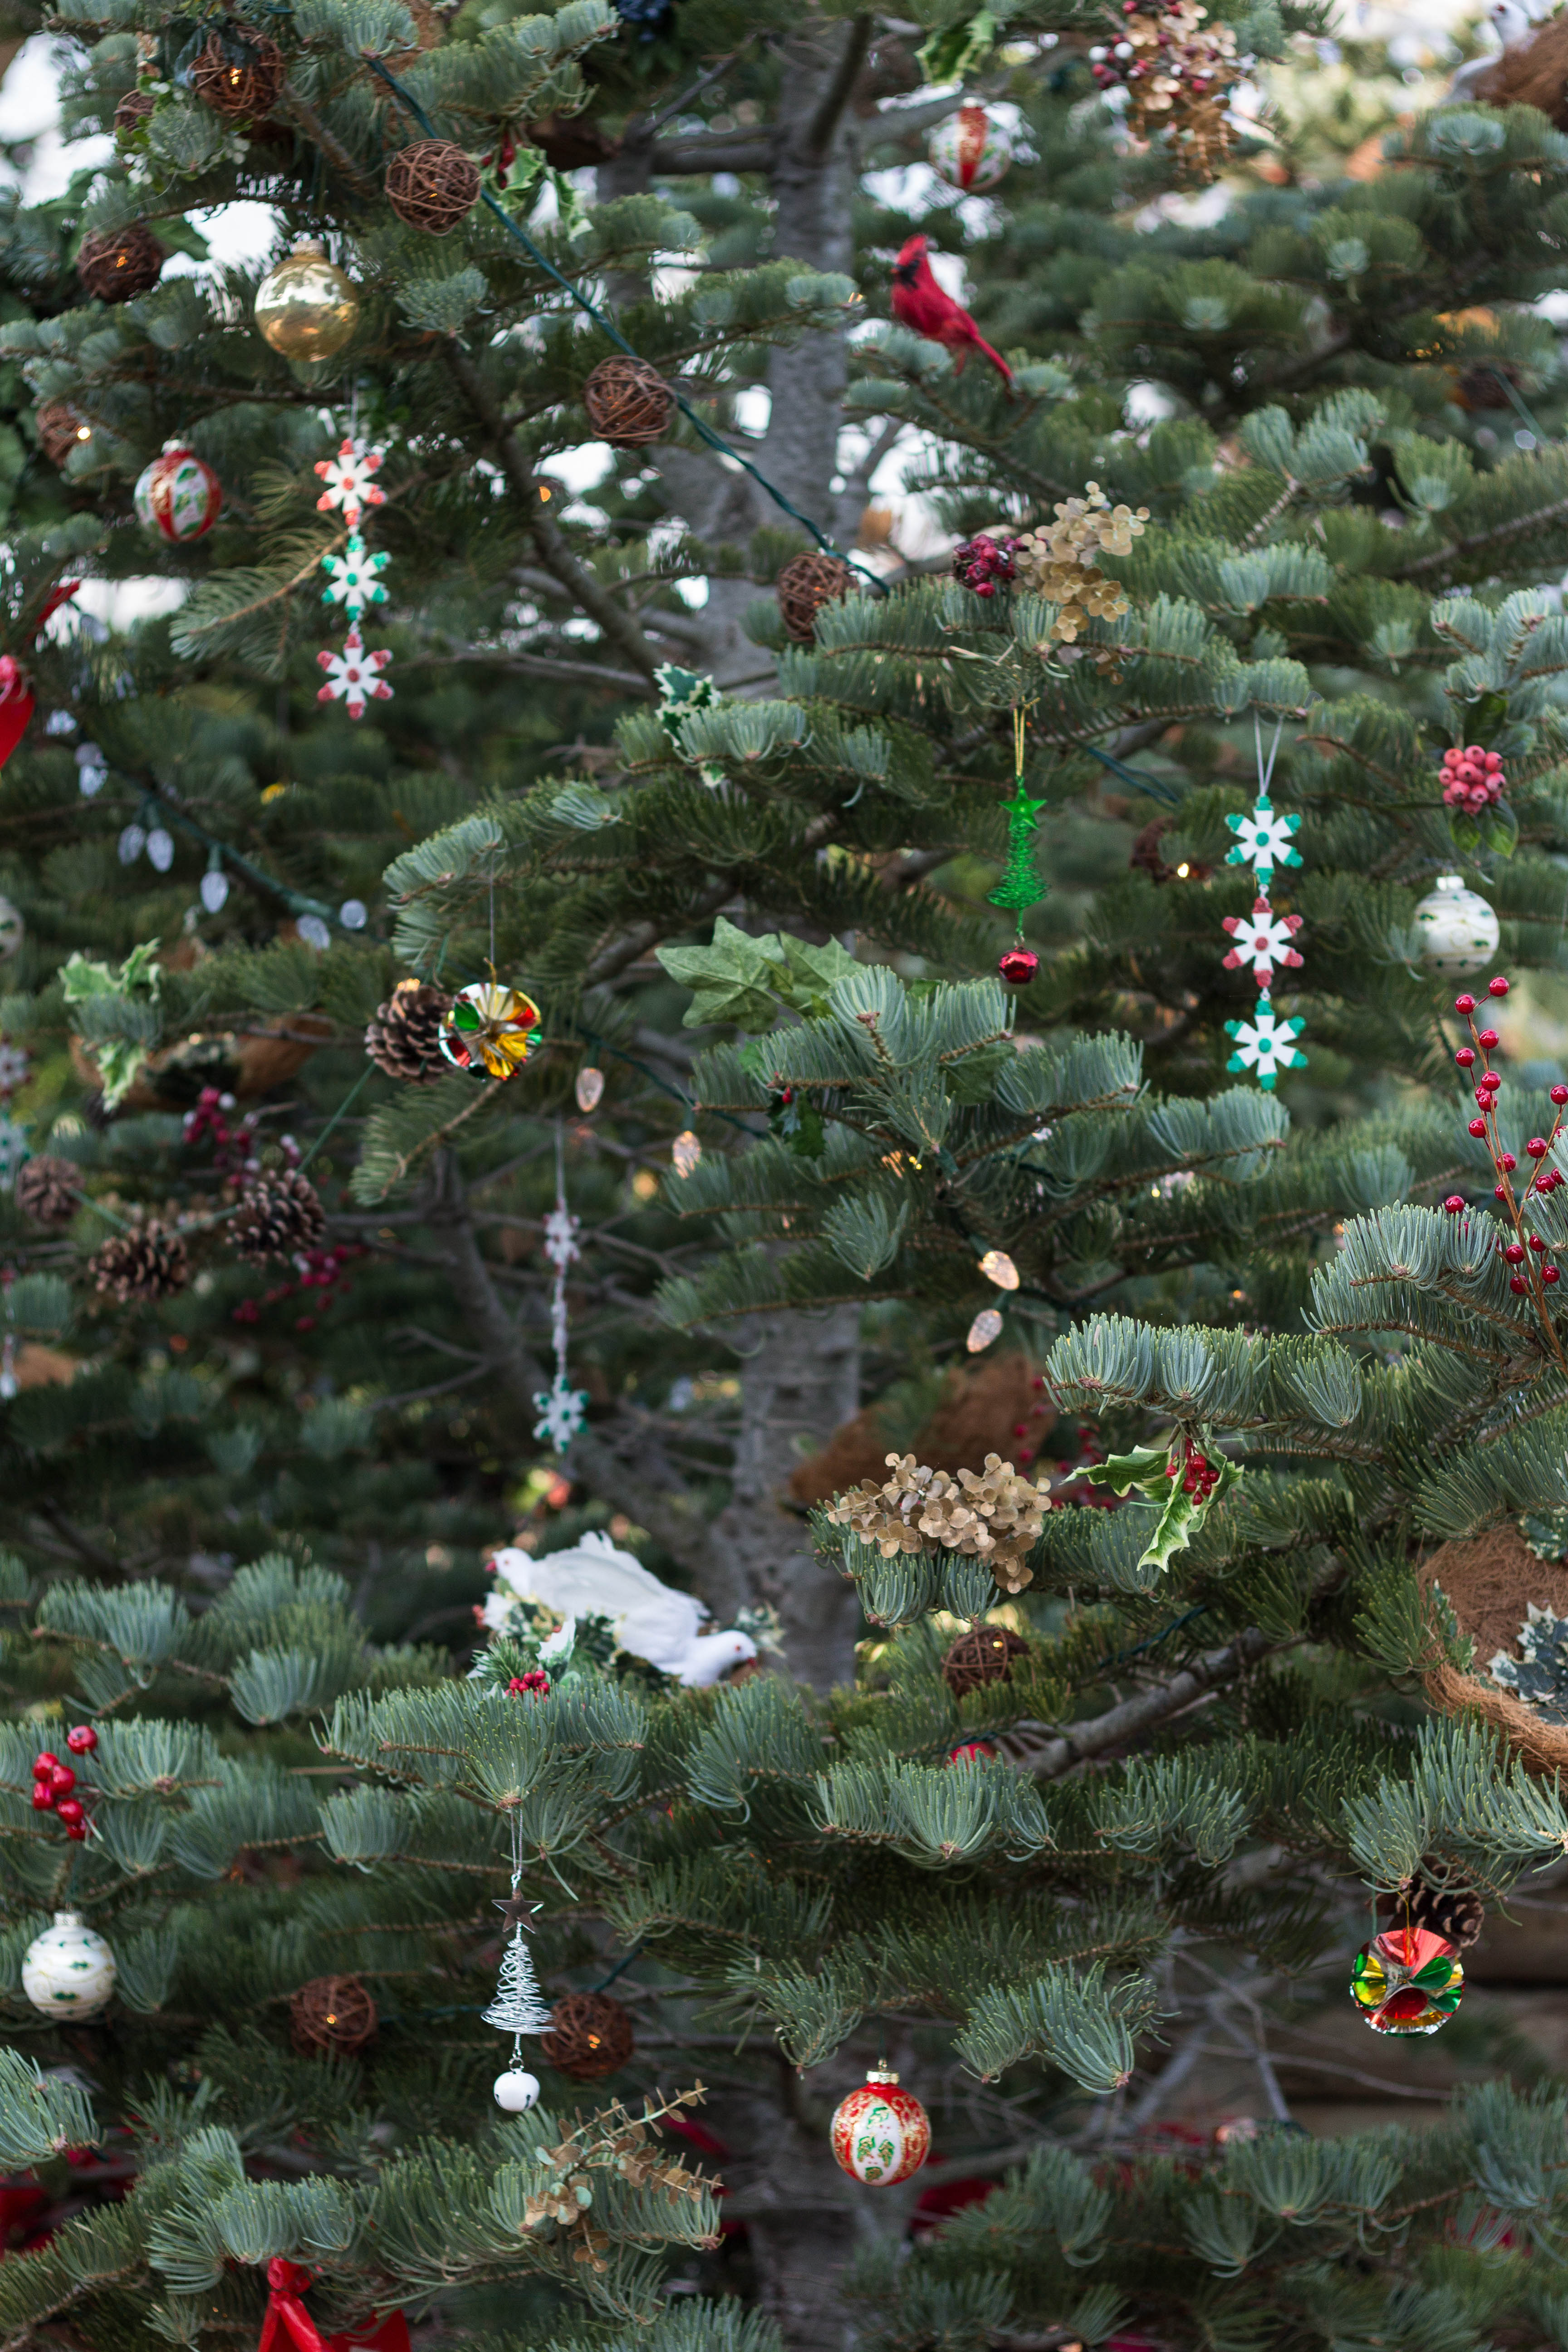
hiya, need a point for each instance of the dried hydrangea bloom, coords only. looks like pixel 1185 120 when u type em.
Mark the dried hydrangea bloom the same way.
pixel 1059 561
pixel 994 1516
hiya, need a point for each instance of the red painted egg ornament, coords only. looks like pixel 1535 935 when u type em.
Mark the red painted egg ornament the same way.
pixel 880 2134
pixel 178 496
pixel 969 151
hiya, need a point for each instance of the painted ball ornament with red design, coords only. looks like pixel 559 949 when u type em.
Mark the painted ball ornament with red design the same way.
pixel 178 496
pixel 880 2134
pixel 969 151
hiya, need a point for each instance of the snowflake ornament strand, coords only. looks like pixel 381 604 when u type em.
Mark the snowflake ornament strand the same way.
pixel 562 1409
pixel 353 676
pixel 1262 941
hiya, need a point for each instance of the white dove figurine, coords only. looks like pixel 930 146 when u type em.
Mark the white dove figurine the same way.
pixel 1513 26
pixel 595 1580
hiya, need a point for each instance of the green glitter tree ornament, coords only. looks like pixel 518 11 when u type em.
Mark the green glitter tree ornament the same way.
pixel 1020 886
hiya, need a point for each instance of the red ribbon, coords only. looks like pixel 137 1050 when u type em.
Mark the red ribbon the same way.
pixel 288 2326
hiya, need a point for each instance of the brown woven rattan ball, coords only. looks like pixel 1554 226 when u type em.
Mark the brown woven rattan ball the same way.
pixel 590 2035
pixel 628 403
pixel 984 1654
pixel 332 2013
pixel 133 108
pixel 118 264
pixel 804 586
pixel 62 429
pixel 239 74
pixel 432 185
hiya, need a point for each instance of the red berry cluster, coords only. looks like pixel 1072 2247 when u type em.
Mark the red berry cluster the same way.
pixel 1534 1276
pixel 984 563
pixel 233 1147
pixel 1472 779
pixel 318 1270
pixel 53 1783
pixel 1200 1476
pixel 536 1681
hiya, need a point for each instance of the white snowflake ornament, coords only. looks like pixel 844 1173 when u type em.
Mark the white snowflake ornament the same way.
pixel 561 1231
pixel 354 676
pixel 15 1063
pixel 353 577
pixel 1262 939
pixel 1263 839
pixel 13 1149
pixel 562 1412
pixel 349 480
pixel 1265 1044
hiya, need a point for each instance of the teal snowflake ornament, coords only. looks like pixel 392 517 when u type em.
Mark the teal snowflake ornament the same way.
pixel 353 575
pixel 562 1412
pixel 1263 839
pixel 1265 1044
pixel 13 1149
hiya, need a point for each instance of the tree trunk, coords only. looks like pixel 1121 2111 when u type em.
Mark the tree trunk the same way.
pixel 805 2220
pixel 799 1381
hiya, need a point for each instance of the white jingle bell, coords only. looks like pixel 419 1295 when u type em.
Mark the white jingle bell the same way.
pixel 516 2091
pixel 69 1971
pixel 1458 930
pixel 11 929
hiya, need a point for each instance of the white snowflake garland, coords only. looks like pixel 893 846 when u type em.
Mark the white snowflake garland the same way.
pixel 1263 940
pixel 353 676
pixel 562 1409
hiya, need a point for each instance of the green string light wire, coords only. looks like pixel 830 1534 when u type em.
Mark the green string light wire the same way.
pixel 714 440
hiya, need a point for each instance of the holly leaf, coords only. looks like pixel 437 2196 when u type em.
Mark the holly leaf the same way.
pixel 1145 1466
pixel 1156 1471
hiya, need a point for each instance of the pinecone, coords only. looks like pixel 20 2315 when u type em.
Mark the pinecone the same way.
pixel 278 1215
pixel 148 1264
pixel 49 1191
pixel 403 1039
pixel 995 1517
pixel 1455 1913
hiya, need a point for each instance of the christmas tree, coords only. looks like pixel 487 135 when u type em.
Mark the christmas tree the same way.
pixel 354 974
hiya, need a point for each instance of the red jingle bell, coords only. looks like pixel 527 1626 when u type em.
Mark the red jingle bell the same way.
pixel 1018 966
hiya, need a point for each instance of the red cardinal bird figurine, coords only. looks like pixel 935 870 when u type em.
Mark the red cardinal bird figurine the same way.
pixel 920 304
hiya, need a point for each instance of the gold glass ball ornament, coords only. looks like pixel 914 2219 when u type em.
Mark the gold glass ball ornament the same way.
pixel 306 308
